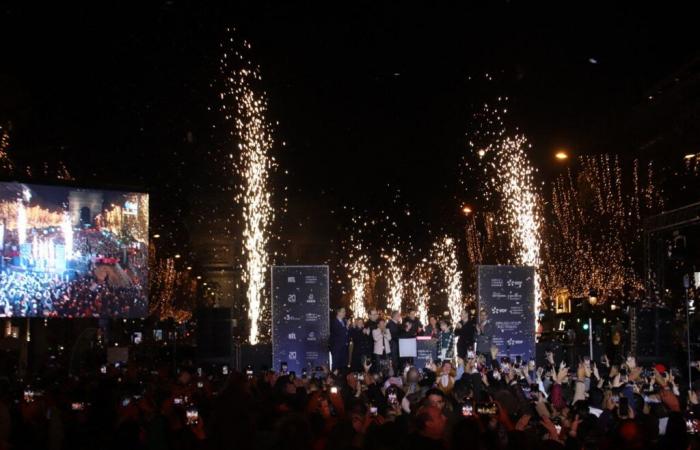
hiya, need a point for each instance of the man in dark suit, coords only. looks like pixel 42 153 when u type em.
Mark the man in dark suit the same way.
pixel 484 339
pixel 373 320
pixel 339 340
pixel 416 325
pixel 394 327
pixel 465 331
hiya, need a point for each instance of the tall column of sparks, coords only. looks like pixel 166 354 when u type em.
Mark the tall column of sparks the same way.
pixel 446 258
pixel 395 281
pixel 359 277
pixel 67 230
pixel 420 291
pixel 21 222
pixel 254 165
pixel 520 204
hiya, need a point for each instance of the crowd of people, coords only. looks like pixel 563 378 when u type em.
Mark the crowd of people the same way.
pixel 31 293
pixel 452 404
pixel 48 294
pixel 377 338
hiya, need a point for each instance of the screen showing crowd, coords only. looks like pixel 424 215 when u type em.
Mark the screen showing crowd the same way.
pixel 72 252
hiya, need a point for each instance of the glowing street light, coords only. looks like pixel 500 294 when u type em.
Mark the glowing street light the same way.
pixel 689 156
pixel 177 256
pixel 156 236
pixel 561 155
pixel 466 210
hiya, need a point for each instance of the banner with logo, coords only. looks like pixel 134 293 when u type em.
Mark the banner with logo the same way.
pixel 507 294
pixel 426 351
pixel 300 317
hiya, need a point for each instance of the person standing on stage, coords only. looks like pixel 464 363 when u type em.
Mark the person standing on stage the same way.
pixel 356 336
pixel 445 342
pixel 432 329
pixel 339 340
pixel 485 338
pixel 382 346
pixel 465 331
pixel 362 343
pixel 394 327
pixel 416 326
pixel 373 319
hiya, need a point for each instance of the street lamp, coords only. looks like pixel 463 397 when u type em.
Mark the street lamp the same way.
pixel 592 300
pixel 466 210
pixel 561 155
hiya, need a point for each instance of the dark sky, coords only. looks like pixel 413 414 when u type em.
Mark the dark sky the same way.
pixel 365 96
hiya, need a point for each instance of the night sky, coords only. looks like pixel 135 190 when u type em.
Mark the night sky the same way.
pixel 369 99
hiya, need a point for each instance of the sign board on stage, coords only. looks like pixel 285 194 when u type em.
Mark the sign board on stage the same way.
pixel 300 315
pixel 426 351
pixel 507 294
pixel 407 348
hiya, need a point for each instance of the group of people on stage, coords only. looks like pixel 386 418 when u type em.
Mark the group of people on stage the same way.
pixel 356 342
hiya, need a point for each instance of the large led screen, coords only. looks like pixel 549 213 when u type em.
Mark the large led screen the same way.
pixel 72 252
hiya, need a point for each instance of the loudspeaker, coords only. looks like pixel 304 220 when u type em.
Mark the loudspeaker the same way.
pixel 214 339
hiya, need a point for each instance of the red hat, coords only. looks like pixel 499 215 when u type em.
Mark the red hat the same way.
pixel 660 368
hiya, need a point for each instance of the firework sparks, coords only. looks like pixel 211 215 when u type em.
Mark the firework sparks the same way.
pixel 21 222
pixel 359 277
pixel 521 206
pixel 420 290
pixel 395 281
pixel 445 252
pixel 254 165
pixel 511 189
pixel 67 231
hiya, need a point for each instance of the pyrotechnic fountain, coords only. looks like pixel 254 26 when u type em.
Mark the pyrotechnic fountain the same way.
pixel 254 165
pixel 21 222
pixel 510 187
pixel 445 252
pixel 67 230
pixel 359 276
pixel 395 281
pixel 420 290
